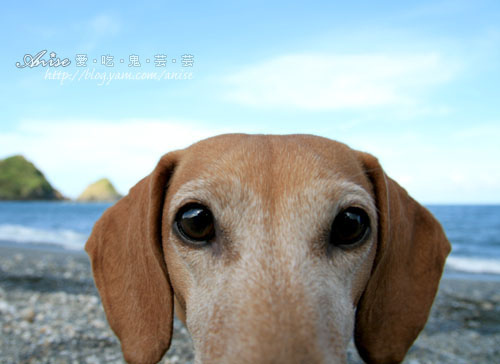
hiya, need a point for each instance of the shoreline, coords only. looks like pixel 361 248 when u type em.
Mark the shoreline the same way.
pixel 448 274
pixel 50 312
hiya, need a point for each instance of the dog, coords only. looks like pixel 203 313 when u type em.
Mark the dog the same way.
pixel 272 249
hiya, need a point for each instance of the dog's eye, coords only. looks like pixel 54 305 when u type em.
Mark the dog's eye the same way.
pixel 195 222
pixel 350 226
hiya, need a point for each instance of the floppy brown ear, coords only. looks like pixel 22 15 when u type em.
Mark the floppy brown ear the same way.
pixel 411 251
pixel 129 269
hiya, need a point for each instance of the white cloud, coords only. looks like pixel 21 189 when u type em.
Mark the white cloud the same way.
pixel 336 81
pixel 459 167
pixel 94 30
pixel 74 153
pixel 104 24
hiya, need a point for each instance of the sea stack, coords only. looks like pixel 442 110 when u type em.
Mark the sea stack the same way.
pixel 100 191
pixel 21 180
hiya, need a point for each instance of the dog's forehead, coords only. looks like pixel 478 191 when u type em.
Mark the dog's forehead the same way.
pixel 262 159
pixel 274 173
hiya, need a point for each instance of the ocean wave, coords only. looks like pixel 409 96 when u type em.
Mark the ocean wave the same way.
pixel 68 239
pixel 74 240
pixel 474 265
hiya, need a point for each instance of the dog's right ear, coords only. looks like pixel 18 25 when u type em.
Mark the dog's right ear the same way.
pixel 411 253
pixel 130 270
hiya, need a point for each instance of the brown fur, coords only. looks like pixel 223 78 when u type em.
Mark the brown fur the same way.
pixel 269 289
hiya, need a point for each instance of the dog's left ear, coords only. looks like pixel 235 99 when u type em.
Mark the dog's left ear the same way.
pixel 129 268
pixel 411 252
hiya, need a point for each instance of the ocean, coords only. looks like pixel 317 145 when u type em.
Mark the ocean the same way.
pixel 474 231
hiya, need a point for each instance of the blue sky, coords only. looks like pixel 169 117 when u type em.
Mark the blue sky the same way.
pixel 417 85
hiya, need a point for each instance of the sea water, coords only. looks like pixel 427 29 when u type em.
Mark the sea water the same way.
pixel 474 231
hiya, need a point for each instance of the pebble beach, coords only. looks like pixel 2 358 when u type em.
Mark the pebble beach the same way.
pixel 50 312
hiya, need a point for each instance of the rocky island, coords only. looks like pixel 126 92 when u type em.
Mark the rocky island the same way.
pixel 21 180
pixel 102 190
